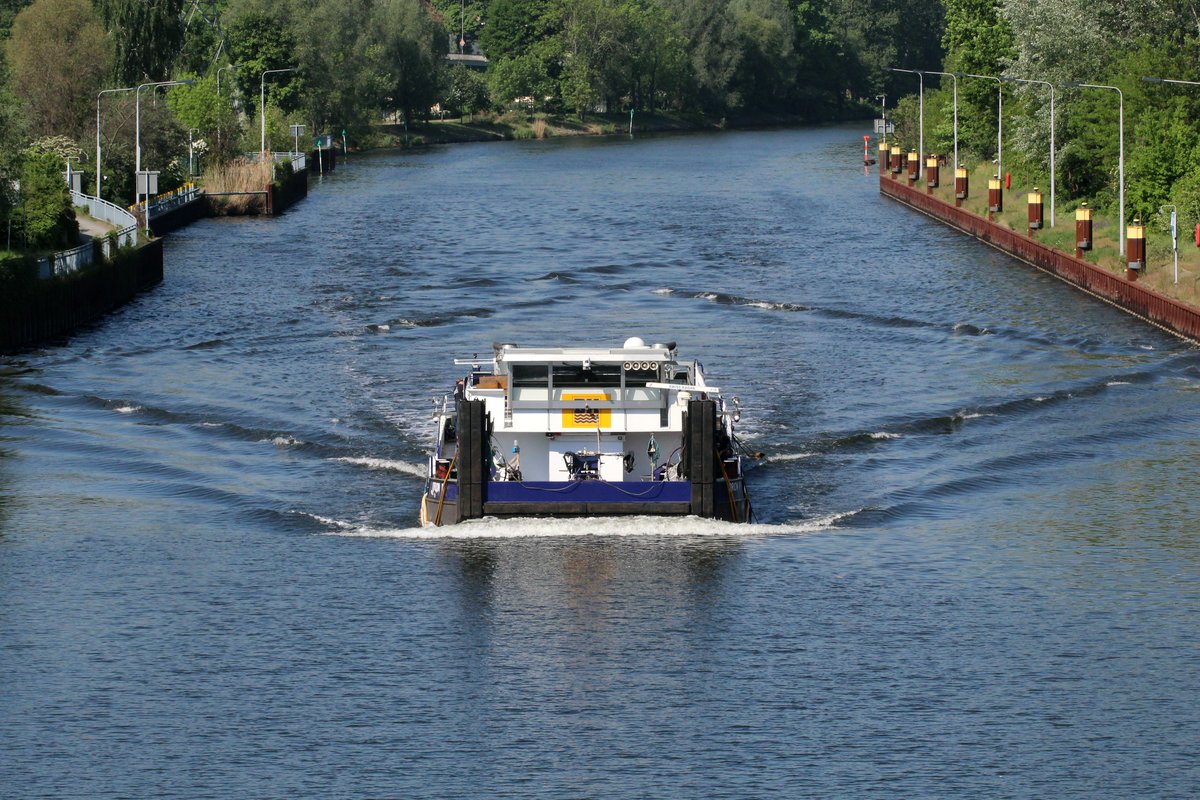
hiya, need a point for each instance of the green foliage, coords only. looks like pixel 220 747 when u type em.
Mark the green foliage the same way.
pixel 978 40
pixel 462 20
pixel 146 34
pixel 411 50
pixel 261 39
pixel 8 12
pixel 11 136
pixel 210 116
pixel 47 218
pixel 465 92
pixel 60 57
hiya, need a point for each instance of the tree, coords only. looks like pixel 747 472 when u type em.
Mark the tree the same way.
pixel 60 58
pixel 147 36
pixel 822 77
pixel 211 116
pixel 765 31
pixel 46 213
pixel 8 12
pixel 411 50
pixel 466 90
pixel 714 55
pixel 522 76
pixel 11 135
pixel 261 38
pixel 463 20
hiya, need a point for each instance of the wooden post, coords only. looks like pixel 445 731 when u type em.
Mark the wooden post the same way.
pixel 1083 230
pixel 1035 210
pixel 961 183
pixel 995 197
pixel 932 174
pixel 1135 249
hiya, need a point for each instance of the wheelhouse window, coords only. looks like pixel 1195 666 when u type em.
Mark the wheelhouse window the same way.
pixel 596 375
pixel 526 375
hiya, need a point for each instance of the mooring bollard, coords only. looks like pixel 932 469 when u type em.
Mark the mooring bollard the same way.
pixel 1135 249
pixel 895 152
pixel 884 150
pixel 995 197
pixel 961 181
pixel 932 174
pixel 1083 230
pixel 1035 210
pixel 914 167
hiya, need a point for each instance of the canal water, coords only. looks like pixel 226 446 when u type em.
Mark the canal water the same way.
pixel 975 571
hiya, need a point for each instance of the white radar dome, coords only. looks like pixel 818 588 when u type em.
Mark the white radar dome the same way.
pixel 634 341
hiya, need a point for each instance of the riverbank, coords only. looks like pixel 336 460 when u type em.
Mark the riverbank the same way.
pixel 1137 298
pixel 489 128
pixel 34 308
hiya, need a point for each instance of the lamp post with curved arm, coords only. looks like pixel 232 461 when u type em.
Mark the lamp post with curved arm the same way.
pixel 99 94
pixel 1121 151
pixel 999 118
pixel 1051 87
pixel 137 142
pixel 219 70
pixel 262 104
pixel 954 76
pixel 921 106
pixel 1175 243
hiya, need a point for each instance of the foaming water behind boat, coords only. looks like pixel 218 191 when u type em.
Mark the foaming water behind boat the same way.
pixel 519 528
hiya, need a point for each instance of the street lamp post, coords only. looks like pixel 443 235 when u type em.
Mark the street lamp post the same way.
pixel 137 143
pixel 1174 216
pixel 882 98
pixel 999 119
pixel 262 105
pixel 954 76
pixel 191 152
pixel 1174 236
pixel 1051 87
pixel 920 105
pixel 98 96
pixel 1120 155
pixel 219 69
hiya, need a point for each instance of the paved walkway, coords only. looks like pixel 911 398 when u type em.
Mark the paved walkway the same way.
pixel 90 227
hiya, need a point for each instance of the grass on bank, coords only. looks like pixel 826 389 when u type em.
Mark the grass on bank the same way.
pixel 1159 272
pixel 239 175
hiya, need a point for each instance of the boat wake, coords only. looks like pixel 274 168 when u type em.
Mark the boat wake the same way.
pixel 621 527
pixel 408 468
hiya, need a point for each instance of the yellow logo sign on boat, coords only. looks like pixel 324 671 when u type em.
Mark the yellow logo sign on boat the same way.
pixel 585 415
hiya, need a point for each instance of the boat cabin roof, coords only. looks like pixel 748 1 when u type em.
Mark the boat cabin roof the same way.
pixel 514 354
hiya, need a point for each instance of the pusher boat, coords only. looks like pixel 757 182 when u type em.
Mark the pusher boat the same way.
pixel 585 432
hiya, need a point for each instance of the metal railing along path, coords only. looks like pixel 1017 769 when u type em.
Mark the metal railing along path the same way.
pixel 65 262
pixel 169 201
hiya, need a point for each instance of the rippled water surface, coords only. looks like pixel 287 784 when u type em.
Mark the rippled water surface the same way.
pixel 975 572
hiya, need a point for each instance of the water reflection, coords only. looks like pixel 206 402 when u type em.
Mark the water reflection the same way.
pixel 582 577
pixel 11 413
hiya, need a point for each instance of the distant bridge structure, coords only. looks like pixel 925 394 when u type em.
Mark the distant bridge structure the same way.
pixel 471 60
